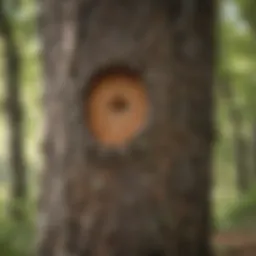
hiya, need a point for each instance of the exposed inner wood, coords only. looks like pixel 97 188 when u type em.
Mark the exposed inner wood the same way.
pixel 117 108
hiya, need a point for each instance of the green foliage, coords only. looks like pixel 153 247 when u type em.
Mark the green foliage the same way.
pixel 237 56
pixel 248 8
pixel 237 65
pixel 16 237
pixel 242 213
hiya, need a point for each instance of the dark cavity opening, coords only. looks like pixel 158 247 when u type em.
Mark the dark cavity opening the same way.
pixel 119 105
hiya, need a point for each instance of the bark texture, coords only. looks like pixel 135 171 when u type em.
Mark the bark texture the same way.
pixel 150 197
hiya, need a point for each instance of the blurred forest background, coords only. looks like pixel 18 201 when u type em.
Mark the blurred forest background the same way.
pixel 234 176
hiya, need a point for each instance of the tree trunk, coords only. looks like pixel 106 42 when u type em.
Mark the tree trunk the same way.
pixel 14 112
pixel 241 148
pixel 254 147
pixel 241 153
pixel 127 174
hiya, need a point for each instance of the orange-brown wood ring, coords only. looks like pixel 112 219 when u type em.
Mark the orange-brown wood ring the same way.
pixel 117 108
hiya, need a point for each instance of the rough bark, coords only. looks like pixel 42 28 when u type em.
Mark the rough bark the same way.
pixel 152 196
pixel 14 111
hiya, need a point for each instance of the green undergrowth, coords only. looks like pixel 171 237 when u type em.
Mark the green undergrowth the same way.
pixel 16 236
pixel 241 214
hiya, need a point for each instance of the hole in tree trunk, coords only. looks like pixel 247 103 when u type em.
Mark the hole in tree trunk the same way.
pixel 119 104
pixel 117 107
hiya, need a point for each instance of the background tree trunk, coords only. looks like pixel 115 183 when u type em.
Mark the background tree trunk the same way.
pixel 14 112
pixel 241 153
pixel 254 148
pixel 241 145
pixel 151 195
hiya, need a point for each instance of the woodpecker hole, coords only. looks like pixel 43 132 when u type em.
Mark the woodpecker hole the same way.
pixel 119 104
pixel 117 108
